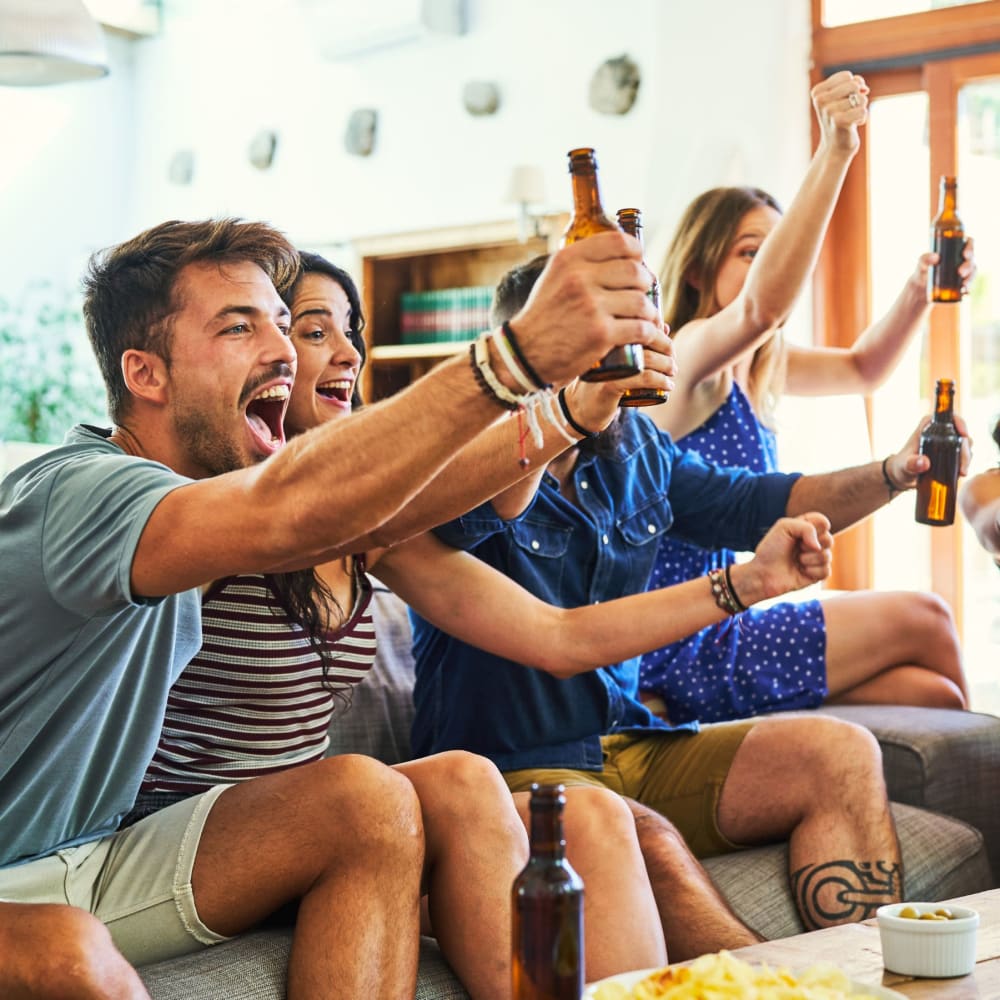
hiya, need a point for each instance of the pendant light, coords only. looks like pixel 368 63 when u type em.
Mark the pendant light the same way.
pixel 49 41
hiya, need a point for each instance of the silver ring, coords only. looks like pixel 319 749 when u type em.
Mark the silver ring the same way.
pixel 853 100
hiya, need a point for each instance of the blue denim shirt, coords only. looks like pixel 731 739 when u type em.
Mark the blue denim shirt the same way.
pixel 598 549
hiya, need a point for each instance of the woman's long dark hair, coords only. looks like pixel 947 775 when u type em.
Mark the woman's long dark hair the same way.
pixel 304 596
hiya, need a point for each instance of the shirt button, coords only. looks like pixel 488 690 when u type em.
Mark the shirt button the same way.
pixel 604 538
pixel 535 545
pixel 584 484
pixel 651 528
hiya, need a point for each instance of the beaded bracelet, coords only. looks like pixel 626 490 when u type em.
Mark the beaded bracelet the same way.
pixel 890 485
pixel 723 592
pixel 480 357
pixel 564 406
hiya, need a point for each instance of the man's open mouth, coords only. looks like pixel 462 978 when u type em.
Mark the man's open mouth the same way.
pixel 265 413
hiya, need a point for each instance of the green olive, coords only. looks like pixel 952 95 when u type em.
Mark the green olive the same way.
pixel 910 912
pixel 932 916
pixel 943 911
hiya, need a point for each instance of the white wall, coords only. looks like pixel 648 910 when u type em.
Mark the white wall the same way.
pixel 724 99
pixel 67 161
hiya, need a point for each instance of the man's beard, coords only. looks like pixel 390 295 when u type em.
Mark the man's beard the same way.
pixel 214 452
pixel 607 442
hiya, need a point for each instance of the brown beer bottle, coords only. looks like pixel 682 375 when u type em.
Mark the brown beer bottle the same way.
pixel 589 218
pixel 630 219
pixel 547 906
pixel 942 444
pixel 948 241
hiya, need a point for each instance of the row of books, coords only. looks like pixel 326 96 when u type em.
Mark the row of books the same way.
pixel 444 314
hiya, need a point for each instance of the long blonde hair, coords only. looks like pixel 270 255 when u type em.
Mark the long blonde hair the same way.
pixel 699 246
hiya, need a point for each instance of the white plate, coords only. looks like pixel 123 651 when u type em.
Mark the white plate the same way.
pixel 629 979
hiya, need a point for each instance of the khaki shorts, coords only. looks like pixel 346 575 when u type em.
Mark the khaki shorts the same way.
pixel 679 774
pixel 136 881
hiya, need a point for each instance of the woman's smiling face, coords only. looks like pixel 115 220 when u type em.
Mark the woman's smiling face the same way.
pixel 328 361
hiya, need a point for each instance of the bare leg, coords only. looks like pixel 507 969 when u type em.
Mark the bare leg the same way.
pixel 893 648
pixel 696 917
pixel 476 845
pixel 344 837
pixel 817 781
pixel 623 929
pixel 50 951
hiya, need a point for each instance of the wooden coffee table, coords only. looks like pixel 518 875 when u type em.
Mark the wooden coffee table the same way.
pixel 857 950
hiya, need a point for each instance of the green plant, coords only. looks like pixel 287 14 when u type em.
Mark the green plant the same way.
pixel 49 379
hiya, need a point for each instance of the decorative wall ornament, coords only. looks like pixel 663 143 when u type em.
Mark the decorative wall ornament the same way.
pixel 262 148
pixel 359 139
pixel 181 169
pixel 481 97
pixel 614 86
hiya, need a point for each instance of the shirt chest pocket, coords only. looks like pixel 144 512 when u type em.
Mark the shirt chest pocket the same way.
pixel 648 523
pixel 541 539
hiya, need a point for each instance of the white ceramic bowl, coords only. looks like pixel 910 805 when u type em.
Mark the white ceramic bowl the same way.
pixel 932 948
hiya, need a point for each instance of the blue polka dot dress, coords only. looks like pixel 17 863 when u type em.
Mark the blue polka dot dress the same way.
pixel 764 660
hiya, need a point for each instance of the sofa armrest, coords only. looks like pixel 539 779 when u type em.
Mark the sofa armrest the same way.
pixel 939 759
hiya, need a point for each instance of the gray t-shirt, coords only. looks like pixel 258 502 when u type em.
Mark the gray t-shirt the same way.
pixel 85 666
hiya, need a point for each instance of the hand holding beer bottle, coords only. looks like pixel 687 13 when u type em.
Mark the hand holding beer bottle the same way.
pixel 588 219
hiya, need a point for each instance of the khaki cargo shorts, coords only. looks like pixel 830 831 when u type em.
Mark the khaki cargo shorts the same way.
pixel 678 773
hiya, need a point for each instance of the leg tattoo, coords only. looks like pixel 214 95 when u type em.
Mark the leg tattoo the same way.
pixel 841 892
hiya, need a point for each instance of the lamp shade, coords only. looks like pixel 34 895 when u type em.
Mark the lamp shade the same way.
pixel 49 41
pixel 526 185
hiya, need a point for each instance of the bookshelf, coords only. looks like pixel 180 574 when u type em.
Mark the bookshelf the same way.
pixel 456 256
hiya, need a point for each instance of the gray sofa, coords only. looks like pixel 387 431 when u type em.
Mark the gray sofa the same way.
pixel 943 772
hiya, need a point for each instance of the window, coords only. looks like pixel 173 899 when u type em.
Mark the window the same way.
pixel 935 109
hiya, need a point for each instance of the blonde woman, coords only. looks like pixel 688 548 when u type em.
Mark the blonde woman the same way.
pixel 734 270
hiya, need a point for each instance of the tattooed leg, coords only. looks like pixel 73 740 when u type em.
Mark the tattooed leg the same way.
pixel 816 781
pixel 840 892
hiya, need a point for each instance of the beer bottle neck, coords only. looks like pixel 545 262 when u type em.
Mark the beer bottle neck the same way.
pixel 945 402
pixel 547 840
pixel 948 198
pixel 586 192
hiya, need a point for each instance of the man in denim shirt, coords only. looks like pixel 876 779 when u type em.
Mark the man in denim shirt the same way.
pixel 586 530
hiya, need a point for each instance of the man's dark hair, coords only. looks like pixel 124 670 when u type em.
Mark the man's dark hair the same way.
pixel 130 290
pixel 511 293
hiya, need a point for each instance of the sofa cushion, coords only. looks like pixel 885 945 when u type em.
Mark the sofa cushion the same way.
pixel 252 967
pixel 942 858
pixel 939 759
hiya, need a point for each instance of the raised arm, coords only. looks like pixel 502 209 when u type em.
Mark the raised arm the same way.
pixel 868 362
pixel 299 508
pixel 787 257
pixel 472 601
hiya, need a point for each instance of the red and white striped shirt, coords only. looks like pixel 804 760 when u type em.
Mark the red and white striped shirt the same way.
pixel 253 700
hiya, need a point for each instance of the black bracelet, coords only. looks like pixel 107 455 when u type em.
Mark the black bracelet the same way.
pixel 732 590
pixel 890 485
pixel 564 406
pixel 519 354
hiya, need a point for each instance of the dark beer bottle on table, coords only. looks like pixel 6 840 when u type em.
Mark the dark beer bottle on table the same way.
pixel 588 219
pixel 942 444
pixel 948 241
pixel 630 219
pixel 547 906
